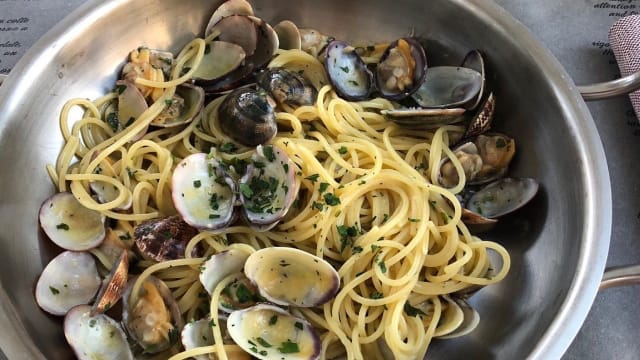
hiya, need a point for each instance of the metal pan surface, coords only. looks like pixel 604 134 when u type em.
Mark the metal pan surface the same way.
pixel 558 244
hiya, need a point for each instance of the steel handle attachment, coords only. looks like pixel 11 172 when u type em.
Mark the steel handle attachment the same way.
pixel 609 89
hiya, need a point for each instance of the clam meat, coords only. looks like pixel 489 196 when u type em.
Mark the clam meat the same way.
pixel 182 108
pixel 401 69
pixel 288 276
pixel 151 317
pixel 268 332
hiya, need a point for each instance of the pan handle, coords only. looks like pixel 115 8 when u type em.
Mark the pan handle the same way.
pixel 608 89
pixel 621 276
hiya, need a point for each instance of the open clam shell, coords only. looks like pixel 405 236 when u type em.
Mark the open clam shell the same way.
pixel 482 120
pixel 113 285
pixel 448 86
pixel 288 35
pixel 221 60
pixel 288 276
pixel 228 8
pixel 270 333
pixel 69 224
pixel 95 336
pixel 268 188
pixel 502 197
pixel 203 193
pixel 239 30
pixel 240 294
pixel 153 321
pixel 182 108
pixel 105 192
pixel 418 118
pixel 475 61
pixel 465 319
pixel 347 72
pixel 131 104
pixel 402 69
pixel 70 279
pixel 221 265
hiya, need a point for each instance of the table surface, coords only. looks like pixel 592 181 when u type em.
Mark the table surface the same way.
pixel 576 33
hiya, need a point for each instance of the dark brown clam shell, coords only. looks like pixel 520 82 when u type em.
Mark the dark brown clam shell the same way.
pixel 163 239
pixel 247 116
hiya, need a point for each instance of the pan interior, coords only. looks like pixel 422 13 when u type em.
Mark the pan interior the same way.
pixel 558 244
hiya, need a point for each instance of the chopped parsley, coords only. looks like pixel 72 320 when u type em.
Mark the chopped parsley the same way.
pixel 289 347
pixel 268 153
pixel 298 325
pixel 346 235
pixel 413 220
pixel 54 291
pixel 263 342
pixel 62 226
pixel 243 294
pixel 273 320
pixel 357 249
pixel 383 267
pixel 313 178
pixel 92 322
pixel 213 201
pixel 228 148
pixel 412 311
pixel 125 237
pixel 344 68
pixel 121 88
pixel 246 191
pixel 342 150
pixel 323 187
pixel 113 122
pixel 376 295
pixel 207 48
pixel 197 184
pixel 331 199
pixel 168 102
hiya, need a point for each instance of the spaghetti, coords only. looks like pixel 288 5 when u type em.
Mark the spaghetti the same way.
pixel 368 202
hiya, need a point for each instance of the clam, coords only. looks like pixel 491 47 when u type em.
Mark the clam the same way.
pixel 228 8
pixel 95 336
pixel 401 69
pixel 481 121
pixel 485 159
pixel 288 35
pixel 182 108
pixel 70 279
pixel 465 319
pixel 475 61
pixel 420 118
pixel 247 116
pixel 199 333
pixel 240 294
pixel 153 321
pixel 470 159
pixel 219 62
pixel 268 188
pixel 496 151
pixel 448 86
pixel 163 239
pixel 221 265
pixel 239 30
pixel 502 197
pixel 69 224
pixel 203 193
pixel 162 60
pixel 288 276
pixel 113 285
pixel 476 222
pixel 268 332
pixel 313 42
pixel 131 104
pixel 347 72
pixel 287 87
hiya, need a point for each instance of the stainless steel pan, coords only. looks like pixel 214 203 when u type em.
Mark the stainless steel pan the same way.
pixel 558 244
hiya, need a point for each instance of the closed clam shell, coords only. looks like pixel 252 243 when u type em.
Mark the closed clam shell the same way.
pixel 95 336
pixel 268 332
pixel 70 279
pixel 288 276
